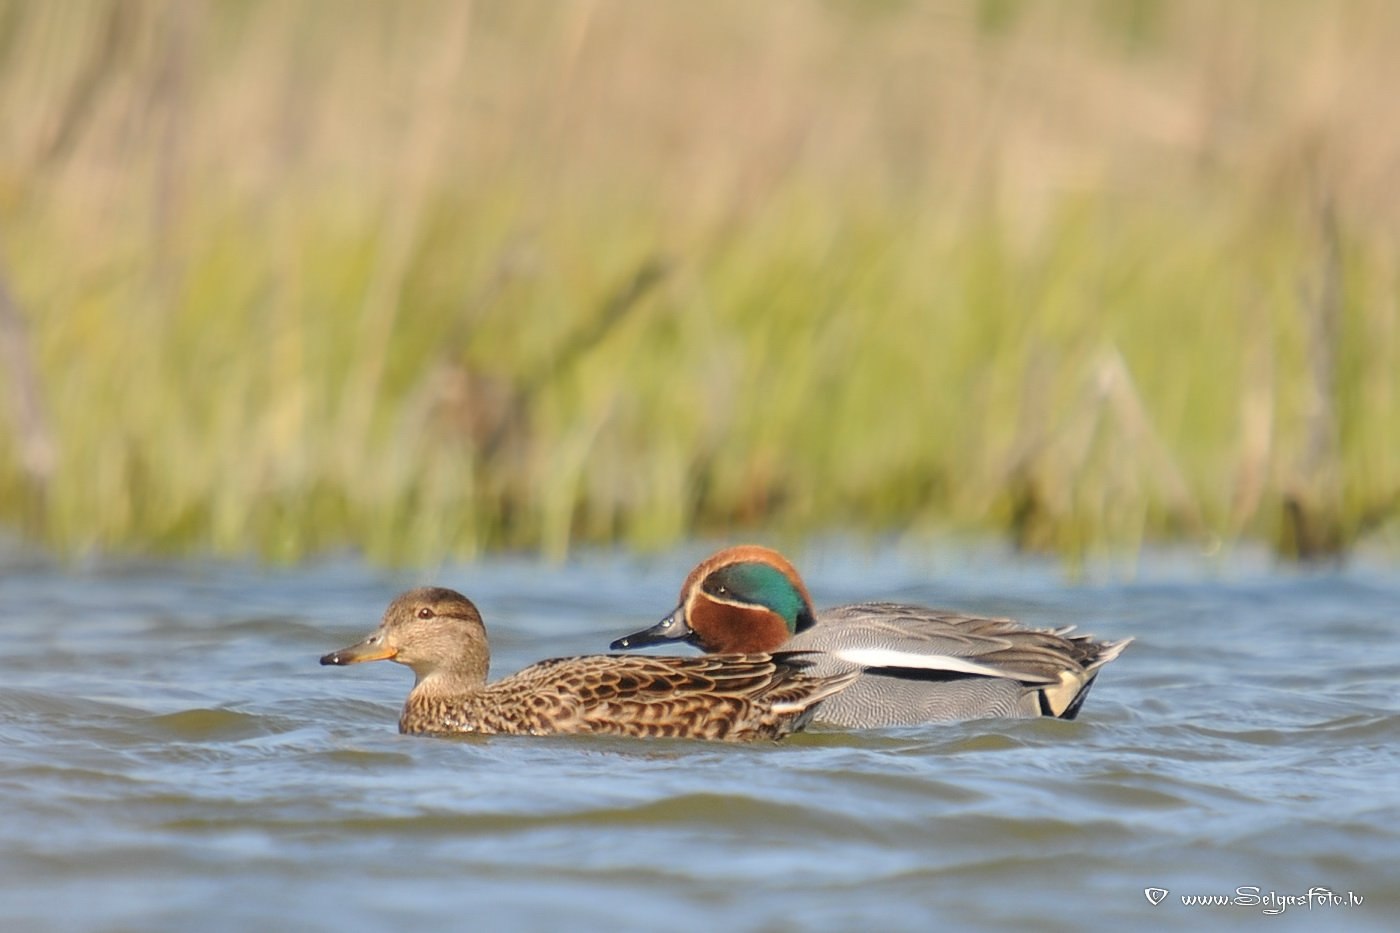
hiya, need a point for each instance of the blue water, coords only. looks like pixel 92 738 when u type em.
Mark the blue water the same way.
pixel 172 757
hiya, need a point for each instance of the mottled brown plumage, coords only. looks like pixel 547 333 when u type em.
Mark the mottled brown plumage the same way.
pixel 439 633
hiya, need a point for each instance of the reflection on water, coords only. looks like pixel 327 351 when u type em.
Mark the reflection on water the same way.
pixel 175 759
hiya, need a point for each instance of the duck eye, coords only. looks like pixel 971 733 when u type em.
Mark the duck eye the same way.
pixel 721 590
pixel 425 613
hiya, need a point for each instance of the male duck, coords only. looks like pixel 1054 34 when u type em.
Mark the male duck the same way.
pixel 916 664
pixel 439 633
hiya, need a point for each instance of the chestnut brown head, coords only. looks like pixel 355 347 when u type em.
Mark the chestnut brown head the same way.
pixel 742 599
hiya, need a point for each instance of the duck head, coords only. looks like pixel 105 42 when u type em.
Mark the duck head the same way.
pixel 438 632
pixel 742 599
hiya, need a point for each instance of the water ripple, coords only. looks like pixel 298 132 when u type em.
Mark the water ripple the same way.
pixel 175 759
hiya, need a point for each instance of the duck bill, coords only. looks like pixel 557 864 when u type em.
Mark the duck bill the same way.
pixel 670 629
pixel 371 649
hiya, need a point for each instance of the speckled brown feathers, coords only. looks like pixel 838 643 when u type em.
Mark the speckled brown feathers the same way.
pixel 733 697
pixel 730 697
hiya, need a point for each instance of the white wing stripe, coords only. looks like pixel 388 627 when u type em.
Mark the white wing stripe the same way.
pixel 888 657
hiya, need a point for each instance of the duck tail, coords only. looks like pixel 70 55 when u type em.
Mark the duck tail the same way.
pixel 1074 685
pixel 1108 650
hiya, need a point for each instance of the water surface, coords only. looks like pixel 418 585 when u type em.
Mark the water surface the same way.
pixel 175 759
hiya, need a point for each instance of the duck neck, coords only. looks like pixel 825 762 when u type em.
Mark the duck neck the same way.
pixel 466 675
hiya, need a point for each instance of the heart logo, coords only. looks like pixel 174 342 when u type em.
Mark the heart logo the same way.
pixel 1155 896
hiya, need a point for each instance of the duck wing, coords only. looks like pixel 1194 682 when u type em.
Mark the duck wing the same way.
pixel 905 637
pixel 729 697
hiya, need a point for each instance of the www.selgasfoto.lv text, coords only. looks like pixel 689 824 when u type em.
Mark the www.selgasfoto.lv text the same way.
pixel 1269 902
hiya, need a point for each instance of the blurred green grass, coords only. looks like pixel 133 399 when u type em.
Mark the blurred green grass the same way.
pixel 428 279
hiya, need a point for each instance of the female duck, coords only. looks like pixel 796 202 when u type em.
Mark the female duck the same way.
pixel 915 664
pixel 439 633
